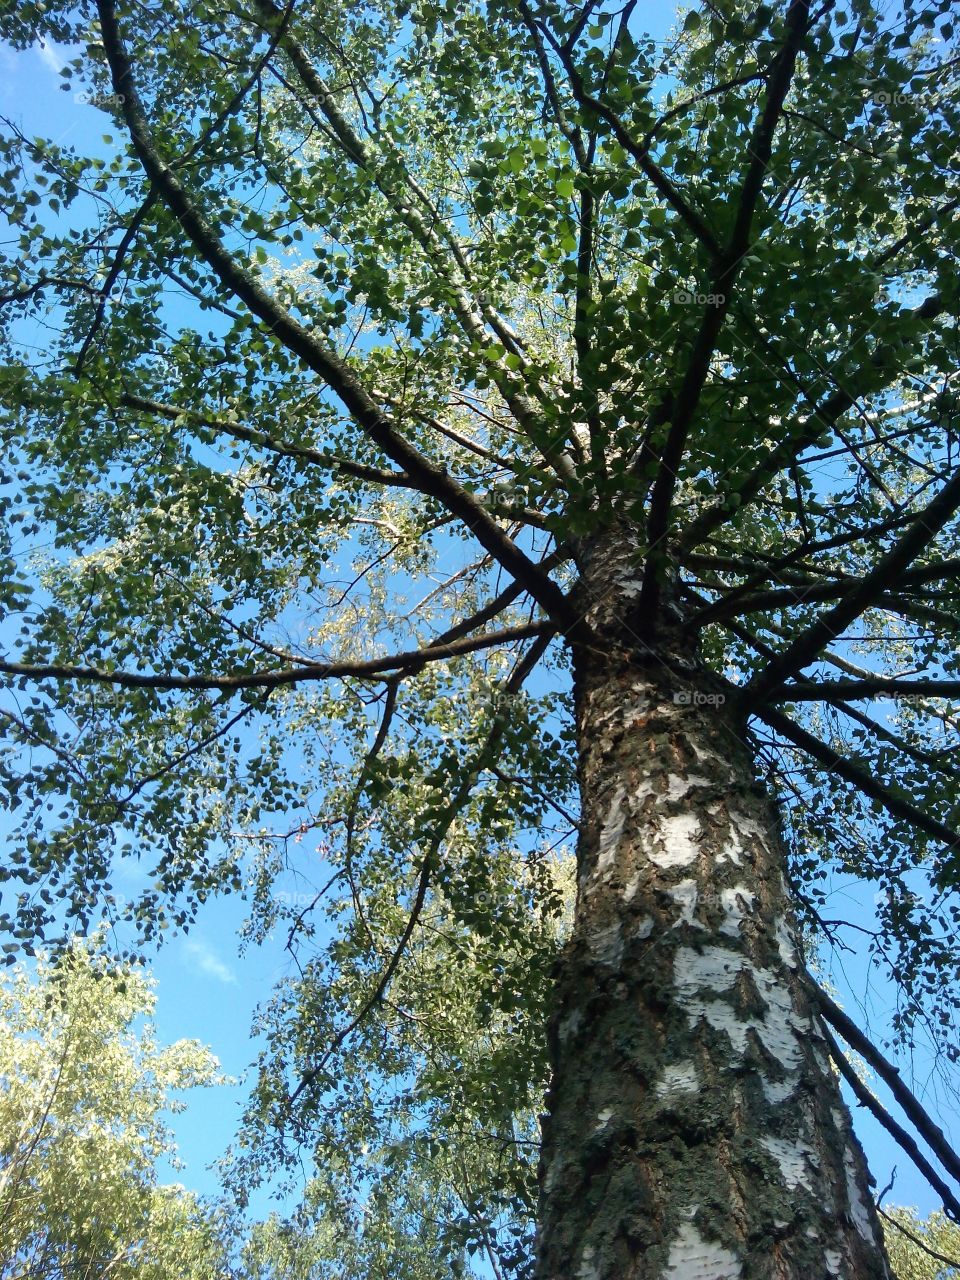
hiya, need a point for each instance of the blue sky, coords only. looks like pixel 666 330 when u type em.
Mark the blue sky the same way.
pixel 206 989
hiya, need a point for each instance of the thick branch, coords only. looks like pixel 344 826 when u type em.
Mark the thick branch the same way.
pixel 861 595
pixel 875 687
pixel 896 1131
pixel 431 478
pixel 321 457
pixel 821 417
pixel 679 411
pixel 933 1136
pixel 414 659
pixel 859 777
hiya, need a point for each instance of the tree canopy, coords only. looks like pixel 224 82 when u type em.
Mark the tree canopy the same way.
pixel 332 375
pixel 82 1096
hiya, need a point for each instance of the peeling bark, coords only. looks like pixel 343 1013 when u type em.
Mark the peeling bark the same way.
pixel 696 1129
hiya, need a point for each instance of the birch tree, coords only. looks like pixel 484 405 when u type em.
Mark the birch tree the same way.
pixel 81 1130
pixel 448 433
pixel 922 1250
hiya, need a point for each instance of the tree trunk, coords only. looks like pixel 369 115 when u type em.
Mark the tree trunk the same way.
pixel 696 1129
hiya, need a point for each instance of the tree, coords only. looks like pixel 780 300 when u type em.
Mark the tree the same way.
pixel 922 1250
pixel 81 1131
pixel 491 404
pixel 395 1236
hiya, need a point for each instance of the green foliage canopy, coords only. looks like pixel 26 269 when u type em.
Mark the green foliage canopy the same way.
pixel 83 1090
pixel 363 326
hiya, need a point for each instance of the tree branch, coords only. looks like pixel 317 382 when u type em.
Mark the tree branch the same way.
pixel 859 596
pixel 774 564
pixel 27 291
pixel 932 1253
pixel 657 178
pixel 808 590
pixel 512 685
pixel 874 687
pixel 821 417
pixel 129 236
pixel 934 1137
pixel 896 1131
pixel 430 232
pixel 431 478
pixel 679 410
pixel 321 457
pixel 859 777
pixel 413 659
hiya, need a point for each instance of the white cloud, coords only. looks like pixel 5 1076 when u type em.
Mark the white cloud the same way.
pixel 50 55
pixel 209 962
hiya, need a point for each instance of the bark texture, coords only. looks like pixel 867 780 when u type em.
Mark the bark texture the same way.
pixel 696 1129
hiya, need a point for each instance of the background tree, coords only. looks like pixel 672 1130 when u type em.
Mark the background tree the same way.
pixel 83 1089
pixel 489 403
pixel 922 1250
